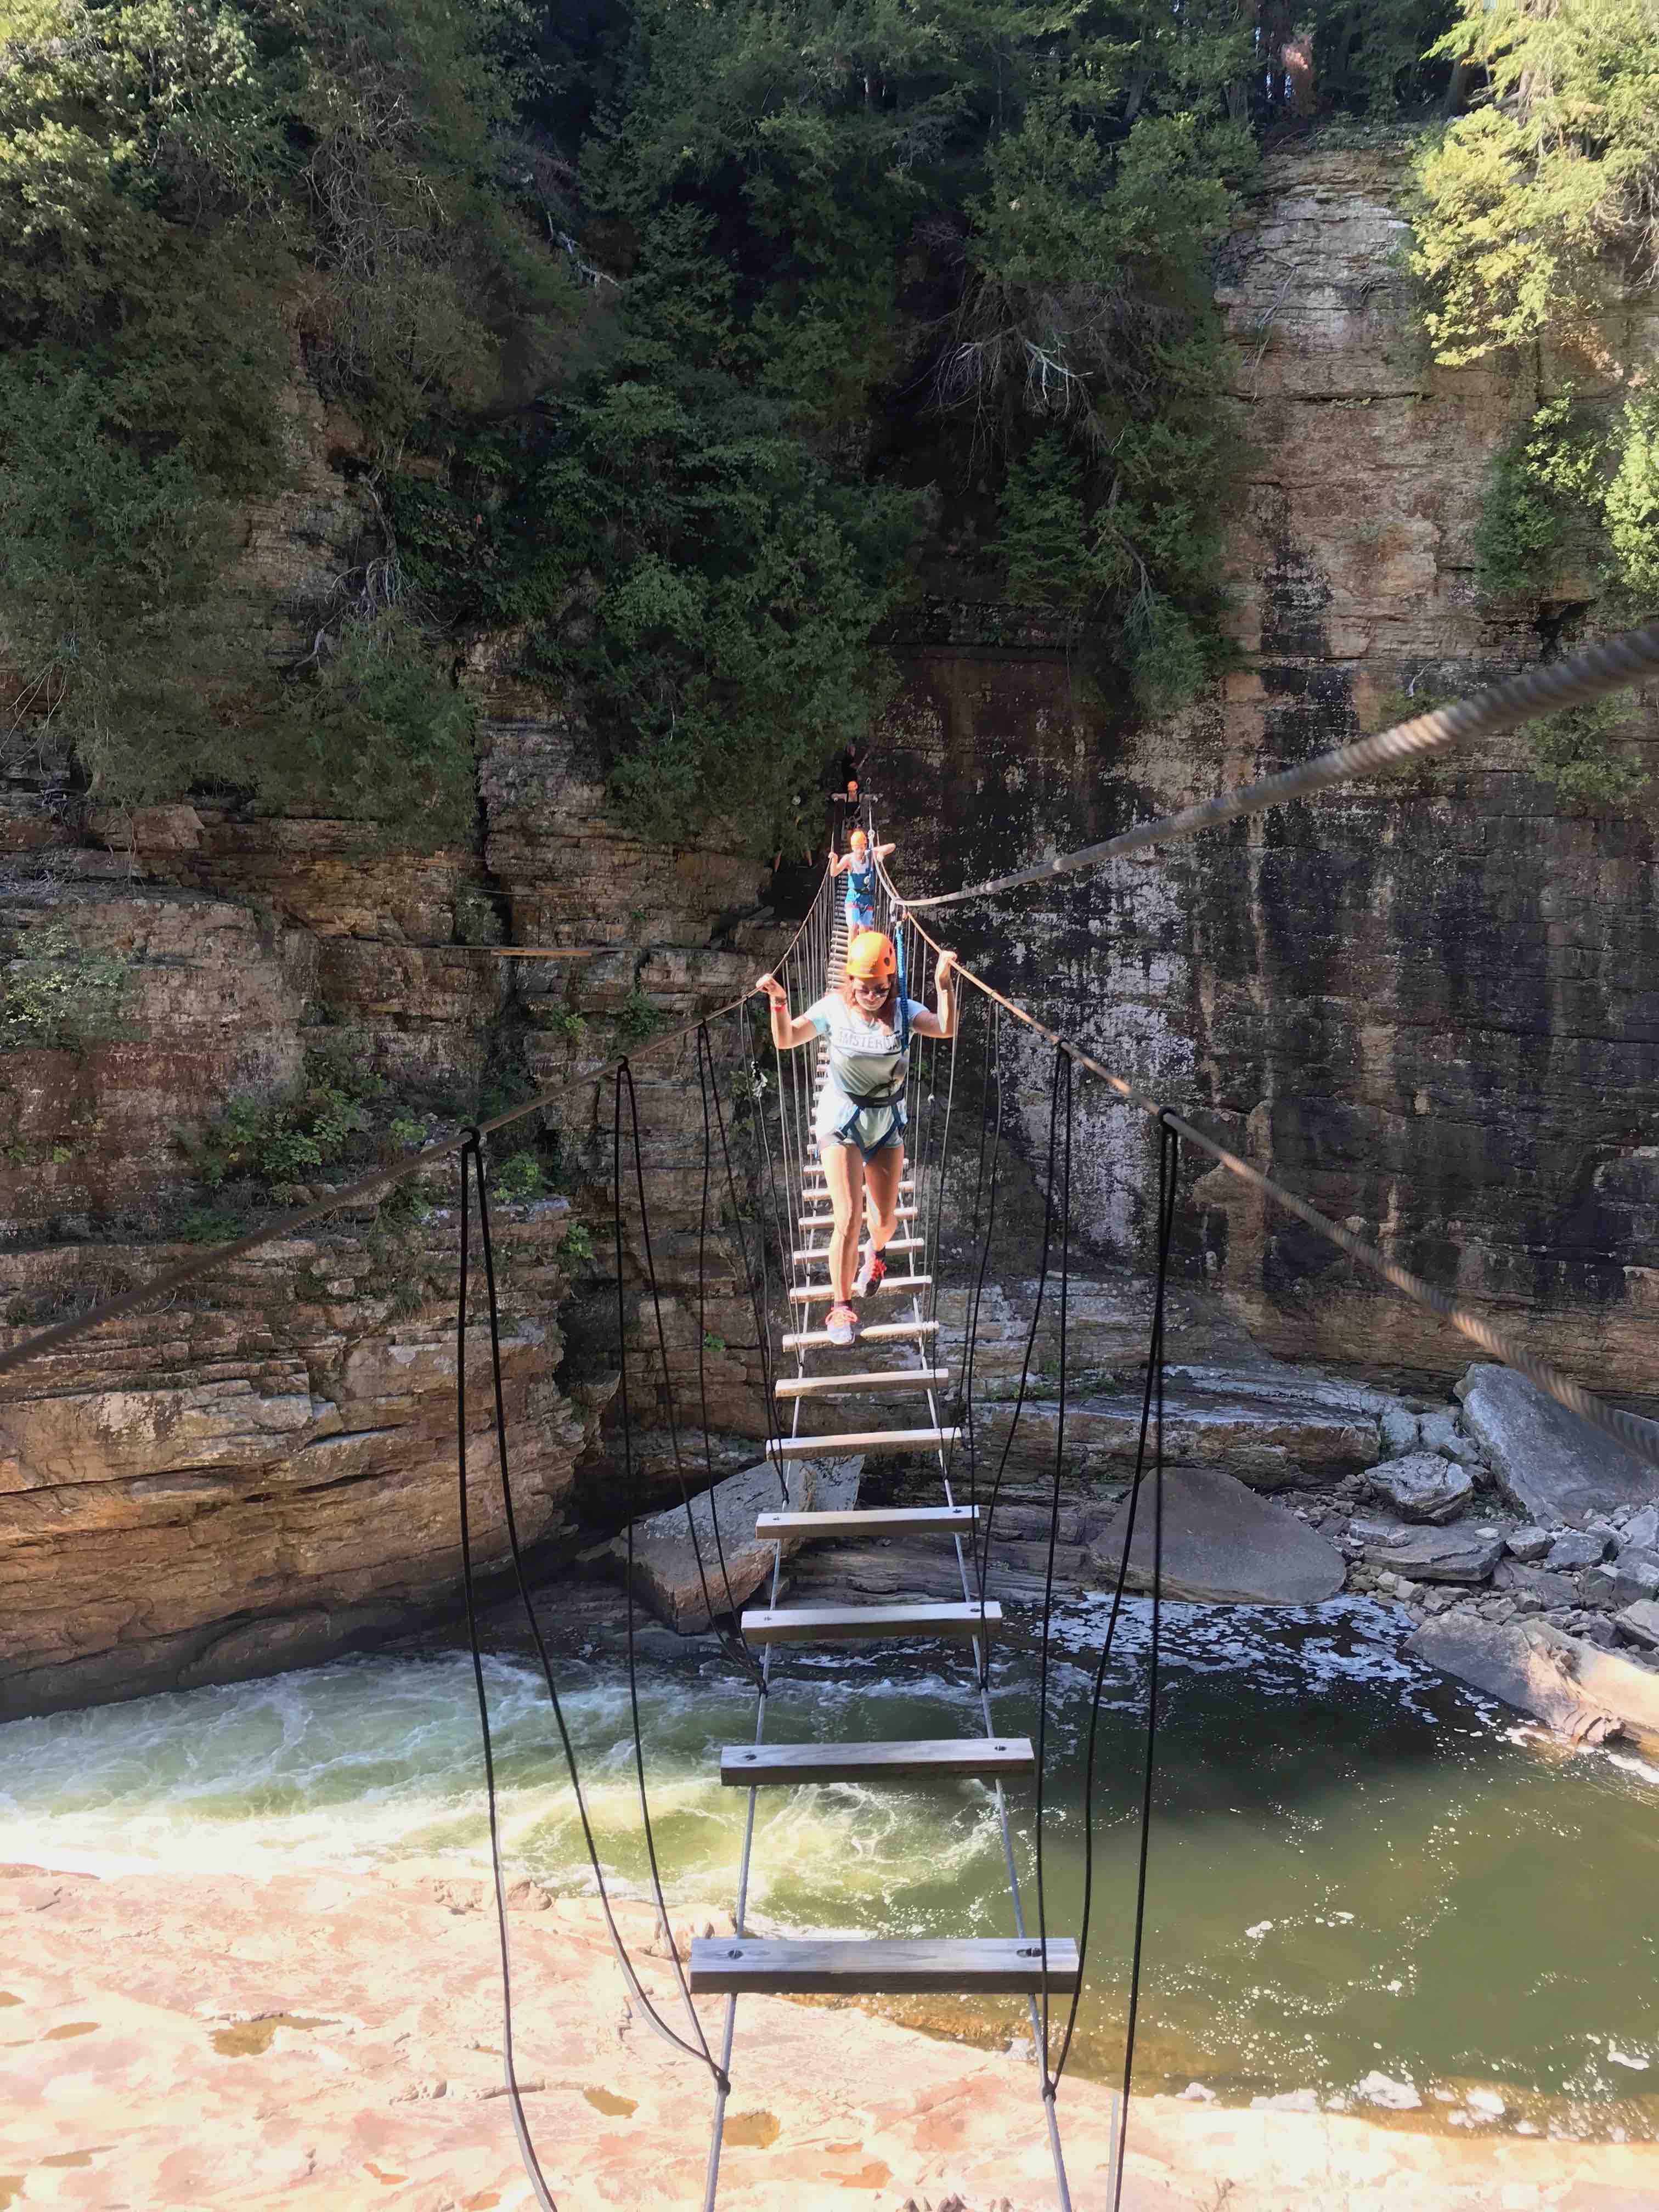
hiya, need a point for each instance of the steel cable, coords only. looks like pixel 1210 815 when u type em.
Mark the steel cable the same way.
pixel 1584 675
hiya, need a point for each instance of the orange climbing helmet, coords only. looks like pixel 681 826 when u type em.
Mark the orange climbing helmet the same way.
pixel 859 841
pixel 870 958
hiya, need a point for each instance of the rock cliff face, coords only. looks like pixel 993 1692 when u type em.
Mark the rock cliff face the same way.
pixel 265 1472
pixel 1431 1009
pixel 1431 1006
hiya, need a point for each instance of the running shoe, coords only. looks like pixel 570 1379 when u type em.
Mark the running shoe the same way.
pixel 841 1325
pixel 872 1273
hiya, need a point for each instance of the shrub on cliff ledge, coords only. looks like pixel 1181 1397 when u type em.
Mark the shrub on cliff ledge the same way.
pixel 55 993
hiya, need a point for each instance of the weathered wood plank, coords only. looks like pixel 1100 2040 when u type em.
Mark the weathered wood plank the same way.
pixel 866 1967
pixel 866 1520
pixel 753 1765
pixel 857 1623
pixel 816 1293
pixel 887 1378
pixel 880 1332
pixel 859 1440
pixel 827 1220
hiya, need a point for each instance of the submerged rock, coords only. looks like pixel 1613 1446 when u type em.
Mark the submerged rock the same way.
pixel 1548 1463
pixel 1574 1688
pixel 1422 1486
pixel 1224 1544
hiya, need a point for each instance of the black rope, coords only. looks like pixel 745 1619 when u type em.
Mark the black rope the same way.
pixel 710 1082
pixel 1151 1420
pixel 1062 1079
pixel 471 1149
pixel 993 1056
pixel 1025 1364
pixel 730 1643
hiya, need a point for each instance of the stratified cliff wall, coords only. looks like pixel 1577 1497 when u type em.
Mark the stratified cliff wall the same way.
pixel 262 1471
pixel 1430 1005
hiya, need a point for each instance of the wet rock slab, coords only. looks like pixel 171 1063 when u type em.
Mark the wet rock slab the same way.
pixel 1547 1463
pixel 689 1575
pixel 1462 1554
pixel 1224 1544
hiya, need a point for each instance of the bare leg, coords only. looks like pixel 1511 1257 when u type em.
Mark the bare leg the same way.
pixel 883 1172
pixel 843 1170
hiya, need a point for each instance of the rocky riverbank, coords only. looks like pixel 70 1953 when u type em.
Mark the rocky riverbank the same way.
pixel 1523 1546
pixel 330 2040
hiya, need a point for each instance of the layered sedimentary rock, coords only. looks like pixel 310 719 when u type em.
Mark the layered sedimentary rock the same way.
pixel 1431 1006
pixel 265 1471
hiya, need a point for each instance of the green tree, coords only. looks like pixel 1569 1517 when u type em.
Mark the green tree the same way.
pixel 1539 211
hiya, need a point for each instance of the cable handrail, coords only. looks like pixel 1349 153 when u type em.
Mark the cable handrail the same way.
pixel 1598 669
pixel 1637 1437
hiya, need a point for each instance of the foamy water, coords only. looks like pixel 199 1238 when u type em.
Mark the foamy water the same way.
pixel 1355 1869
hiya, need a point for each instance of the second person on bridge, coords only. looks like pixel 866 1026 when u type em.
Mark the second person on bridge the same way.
pixel 858 864
pixel 859 1122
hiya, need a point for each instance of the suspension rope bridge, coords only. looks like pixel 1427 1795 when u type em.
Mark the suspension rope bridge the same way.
pixel 785 1208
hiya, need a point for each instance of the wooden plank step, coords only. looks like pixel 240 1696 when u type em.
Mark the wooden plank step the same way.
pixel 893 1244
pixel 828 1221
pixel 906 1182
pixel 869 1967
pixel 751 1765
pixel 865 1623
pixel 816 1293
pixel 866 1520
pixel 880 1332
pixel 845 1441
pixel 886 1378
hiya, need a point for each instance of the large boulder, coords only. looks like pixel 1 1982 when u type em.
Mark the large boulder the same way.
pixel 667 1575
pixel 1430 1555
pixel 1421 1486
pixel 1546 1461
pixel 1224 1544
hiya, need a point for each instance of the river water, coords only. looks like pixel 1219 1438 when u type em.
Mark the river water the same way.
pixel 1357 1870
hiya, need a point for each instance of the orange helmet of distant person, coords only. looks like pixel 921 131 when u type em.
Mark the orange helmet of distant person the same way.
pixel 870 958
pixel 851 787
pixel 859 841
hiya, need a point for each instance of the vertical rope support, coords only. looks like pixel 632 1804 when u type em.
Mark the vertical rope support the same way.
pixel 1062 1081
pixel 471 1155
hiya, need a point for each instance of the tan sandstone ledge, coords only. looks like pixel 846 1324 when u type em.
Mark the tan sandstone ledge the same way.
pixel 315 2039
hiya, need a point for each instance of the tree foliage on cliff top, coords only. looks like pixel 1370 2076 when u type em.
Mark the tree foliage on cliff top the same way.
pixel 185 189
pixel 1540 208
pixel 803 222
